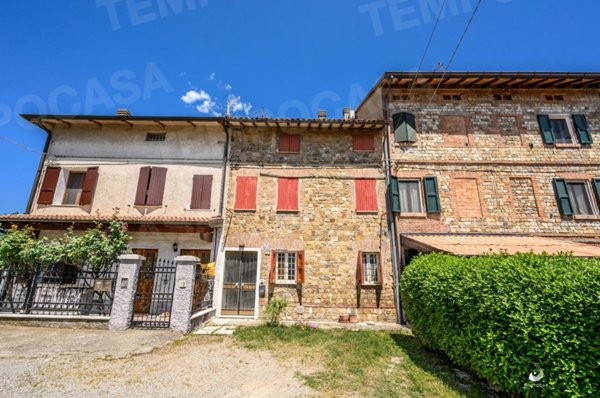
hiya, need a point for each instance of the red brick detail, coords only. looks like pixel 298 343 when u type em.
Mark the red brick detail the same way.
pixel 465 198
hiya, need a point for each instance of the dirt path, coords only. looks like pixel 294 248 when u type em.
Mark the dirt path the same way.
pixel 45 362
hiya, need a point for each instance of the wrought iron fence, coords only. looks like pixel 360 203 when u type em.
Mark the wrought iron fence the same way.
pixel 58 290
pixel 154 295
pixel 203 292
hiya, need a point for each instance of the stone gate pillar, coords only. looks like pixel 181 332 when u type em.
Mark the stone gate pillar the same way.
pixel 126 285
pixel 185 278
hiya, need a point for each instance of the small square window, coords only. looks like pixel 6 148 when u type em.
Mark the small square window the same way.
pixel 410 196
pixel 447 97
pixel 549 98
pixel 497 97
pixel 456 98
pixel 371 269
pixel 74 188
pixel 402 97
pixel 581 200
pixel 559 98
pixel 156 137
pixel 286 263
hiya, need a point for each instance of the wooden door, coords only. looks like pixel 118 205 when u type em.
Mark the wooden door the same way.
pixel 203 255
pixel 239 283
pixel 145 284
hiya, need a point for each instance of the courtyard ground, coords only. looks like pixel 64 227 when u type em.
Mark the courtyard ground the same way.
pixel 254 362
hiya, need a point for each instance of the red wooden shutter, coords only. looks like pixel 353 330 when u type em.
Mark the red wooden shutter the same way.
pixel 156 187
pixel 366 194
pixel 300 268
pixel 289 143
pixel 89 186
pixel 201 191
pixel 272 270
pixel 287 194
pixel 245 193
pixel 363 142
pixel 360 271
pixel 49 186
pixel 142 188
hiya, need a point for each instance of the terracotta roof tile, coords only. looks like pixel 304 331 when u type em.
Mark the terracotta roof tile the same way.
pixel 91 218
pixel 471 245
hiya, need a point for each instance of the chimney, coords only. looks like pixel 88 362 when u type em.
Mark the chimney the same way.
pixel 322 115
pixel 348 113
pixel 123 112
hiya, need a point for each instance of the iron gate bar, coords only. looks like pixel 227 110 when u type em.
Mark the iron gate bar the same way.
pixel 154 295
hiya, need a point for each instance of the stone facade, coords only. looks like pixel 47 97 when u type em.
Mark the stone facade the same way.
pixel 494 170
pixel 326 227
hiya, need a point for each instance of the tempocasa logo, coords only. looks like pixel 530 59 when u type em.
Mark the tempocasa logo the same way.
pixel 536 375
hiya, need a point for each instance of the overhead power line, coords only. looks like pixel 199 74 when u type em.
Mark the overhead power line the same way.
pixel 462 37
pixel 428 45
pixel 22 146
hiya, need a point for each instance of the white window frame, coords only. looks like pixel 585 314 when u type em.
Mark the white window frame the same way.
pixel 68 175
pixel 61 186
pixel 377 268
pixel 588 191
pixel 570 127
pixel 286 265
pixel 421 202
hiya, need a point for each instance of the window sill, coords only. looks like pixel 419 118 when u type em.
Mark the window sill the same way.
pixel 367 212
pixel 405 143
pixel 245 210
pixel 586 217
pixel 286 283
pixel 65 205
pixel 363 150
pixel 567 146
pixel 371 285
pixel 284 211
pixel 288 153
pixel 412 215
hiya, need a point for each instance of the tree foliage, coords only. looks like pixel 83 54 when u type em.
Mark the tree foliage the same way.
pixel 96 249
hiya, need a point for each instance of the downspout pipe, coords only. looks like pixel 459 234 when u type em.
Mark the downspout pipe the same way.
pixel 391 217
pixel 217 237
pixel 40 167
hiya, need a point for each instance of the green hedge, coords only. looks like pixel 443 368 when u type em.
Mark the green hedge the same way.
pixel 506 316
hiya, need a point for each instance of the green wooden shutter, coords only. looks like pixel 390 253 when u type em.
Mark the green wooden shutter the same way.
pixel 432 196
pixel 546 129
pixel 404 127
pixel 562 196
pixel 395 194
pixel 596 184
pixel 582 129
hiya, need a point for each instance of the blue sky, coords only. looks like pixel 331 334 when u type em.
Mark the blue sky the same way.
pixel 276 58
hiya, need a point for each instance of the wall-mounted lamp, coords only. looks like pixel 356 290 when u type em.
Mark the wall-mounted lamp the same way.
pixel 175 247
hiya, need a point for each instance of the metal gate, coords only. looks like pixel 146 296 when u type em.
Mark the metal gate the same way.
pixel 154 295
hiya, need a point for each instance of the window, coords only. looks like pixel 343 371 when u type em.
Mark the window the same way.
pixel 404 127
pixel 201 192
pixel 245 193
pixel 580 197
pixel 561 130
pixel 286 267
pixel 289 143
pixel 366 195
pixel 502 97
pixel 151 186
pixel 371 268
pixel 156 137
pixel 74 188
pixel 454 97
pixel 363 142
pixel 554 98
pixel 401 97
pixel 287 194
pixel 410 196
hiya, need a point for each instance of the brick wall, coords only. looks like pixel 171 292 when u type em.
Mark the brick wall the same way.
pixel 326 227
pixel 494 171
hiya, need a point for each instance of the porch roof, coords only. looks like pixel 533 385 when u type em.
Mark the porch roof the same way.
pixel 473 245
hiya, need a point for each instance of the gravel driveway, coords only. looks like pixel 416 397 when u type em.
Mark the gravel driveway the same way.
pixel 50 362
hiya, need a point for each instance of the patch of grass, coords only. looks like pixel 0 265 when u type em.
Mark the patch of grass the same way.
pixel 364 363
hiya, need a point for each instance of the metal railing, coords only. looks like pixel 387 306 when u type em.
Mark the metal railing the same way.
pixel 202 298
pixel 59 290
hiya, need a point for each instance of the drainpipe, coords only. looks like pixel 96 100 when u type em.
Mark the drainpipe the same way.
pixel 217 236
pixel 391 217
pixel 38 173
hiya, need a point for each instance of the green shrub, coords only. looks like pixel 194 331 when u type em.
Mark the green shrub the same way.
pixel 275 309
pixel 505 317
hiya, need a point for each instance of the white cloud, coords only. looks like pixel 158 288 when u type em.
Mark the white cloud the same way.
pixel 236 105
pixel 227 87
pixel 211 76
pixel 193 96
